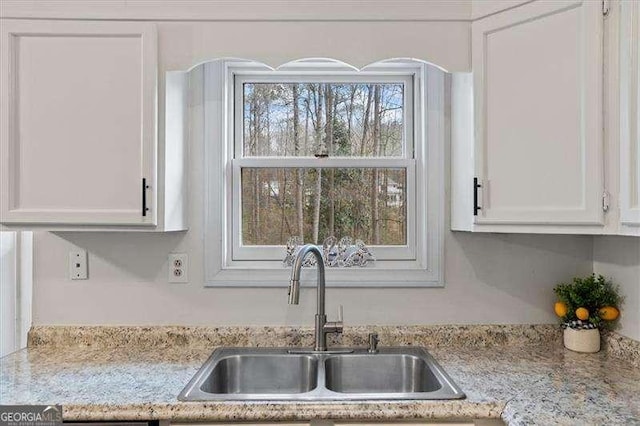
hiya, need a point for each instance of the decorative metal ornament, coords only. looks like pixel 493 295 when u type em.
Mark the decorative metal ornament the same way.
pixel 337 254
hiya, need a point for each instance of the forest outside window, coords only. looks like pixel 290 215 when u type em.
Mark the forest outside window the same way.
pixel 318 156
pixel 319 149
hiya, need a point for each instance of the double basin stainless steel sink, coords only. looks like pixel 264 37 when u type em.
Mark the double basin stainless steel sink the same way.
pixel 288 374
pixel 244 374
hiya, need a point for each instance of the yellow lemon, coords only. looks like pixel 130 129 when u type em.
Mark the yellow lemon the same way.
pixel 560 308
pixel 582 313
pixel 609 313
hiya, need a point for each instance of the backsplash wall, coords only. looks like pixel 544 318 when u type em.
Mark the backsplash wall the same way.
pixel 618 258
pixel 490 278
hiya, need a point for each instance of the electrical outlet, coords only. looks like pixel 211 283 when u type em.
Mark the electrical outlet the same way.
pixel 78 265
pixel 178 268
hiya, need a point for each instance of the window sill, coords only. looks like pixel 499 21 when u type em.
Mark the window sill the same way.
pixel 381 274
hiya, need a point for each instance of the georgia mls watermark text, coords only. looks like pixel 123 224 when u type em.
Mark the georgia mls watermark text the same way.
pixel 30 415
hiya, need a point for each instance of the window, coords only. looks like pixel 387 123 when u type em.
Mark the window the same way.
pixel 316 149
pixel 322 155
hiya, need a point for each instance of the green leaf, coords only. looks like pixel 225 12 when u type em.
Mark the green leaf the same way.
pixel 591 292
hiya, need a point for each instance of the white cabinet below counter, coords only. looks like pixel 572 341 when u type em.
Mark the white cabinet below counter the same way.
pixel 79 144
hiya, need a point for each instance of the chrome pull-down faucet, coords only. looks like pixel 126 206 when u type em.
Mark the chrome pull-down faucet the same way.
pixel 322 326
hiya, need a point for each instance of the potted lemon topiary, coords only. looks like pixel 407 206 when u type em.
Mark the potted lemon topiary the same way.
pixel 586 306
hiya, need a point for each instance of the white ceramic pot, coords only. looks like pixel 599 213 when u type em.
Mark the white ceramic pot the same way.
pixel 582 340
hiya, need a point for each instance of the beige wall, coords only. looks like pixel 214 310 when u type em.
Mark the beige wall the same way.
pixel 489 278
pixel 185 44
pixel 250 10
pixel 618 258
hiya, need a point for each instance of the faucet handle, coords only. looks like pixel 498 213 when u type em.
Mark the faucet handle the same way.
pixel 340 314
pixel 335 326
pixel 373 343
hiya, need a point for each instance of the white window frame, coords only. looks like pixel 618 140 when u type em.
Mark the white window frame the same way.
pixel 418 263
pixel 406 161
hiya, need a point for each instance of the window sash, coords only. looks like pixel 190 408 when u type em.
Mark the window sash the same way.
pixel 239 161
pixel 405 78
pixel 276 252
pixel 324 162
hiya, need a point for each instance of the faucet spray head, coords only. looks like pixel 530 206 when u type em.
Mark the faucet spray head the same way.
pixel 294 291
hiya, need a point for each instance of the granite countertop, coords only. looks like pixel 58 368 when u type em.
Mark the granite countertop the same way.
pixel 531 379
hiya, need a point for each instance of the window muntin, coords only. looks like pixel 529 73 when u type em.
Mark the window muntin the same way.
pixel 263 140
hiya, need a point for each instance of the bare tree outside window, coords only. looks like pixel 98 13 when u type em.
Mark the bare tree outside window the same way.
pixel 336 120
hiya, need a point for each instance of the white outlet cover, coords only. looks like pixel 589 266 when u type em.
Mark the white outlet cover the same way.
pixel 78 265
pixel 178 268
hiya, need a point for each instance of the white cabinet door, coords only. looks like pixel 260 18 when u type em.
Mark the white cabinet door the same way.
pixel 538 114
pixel 78 111
pixel 630 115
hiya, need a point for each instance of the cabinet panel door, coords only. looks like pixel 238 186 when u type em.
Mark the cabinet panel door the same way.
pixel 630 113
pixel 79 122
pixel 538 105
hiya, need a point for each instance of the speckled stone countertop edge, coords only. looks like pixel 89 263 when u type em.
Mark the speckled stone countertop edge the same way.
pixel 614 344
pixel 293 411
pixel 263 336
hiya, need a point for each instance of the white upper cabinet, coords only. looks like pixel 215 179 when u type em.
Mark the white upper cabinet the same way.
pixel 536 149
pixel 538 105
pixel 79 124
pixel 629 118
